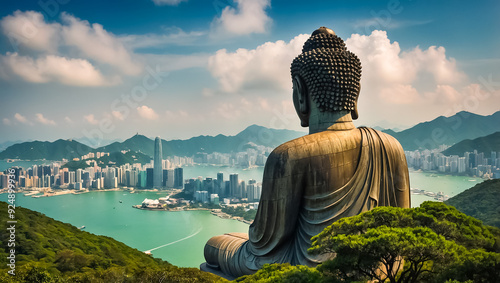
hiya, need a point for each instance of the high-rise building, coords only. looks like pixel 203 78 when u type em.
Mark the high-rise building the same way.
pixel 220 183
pixel 178 177
pixel 158 166
pixel 234 184
pixel 149 177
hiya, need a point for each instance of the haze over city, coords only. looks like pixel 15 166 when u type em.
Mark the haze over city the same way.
pixel 178 69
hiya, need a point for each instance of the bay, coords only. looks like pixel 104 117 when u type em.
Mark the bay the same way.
pixel 179 237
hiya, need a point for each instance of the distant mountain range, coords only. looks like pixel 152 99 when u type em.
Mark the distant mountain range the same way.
pixel 485 144
pixel 447 130
pixel 250 137
pixel 428 135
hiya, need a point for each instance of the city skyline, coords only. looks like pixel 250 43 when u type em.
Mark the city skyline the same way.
pixel 187 68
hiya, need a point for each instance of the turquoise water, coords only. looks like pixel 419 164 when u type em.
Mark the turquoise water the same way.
pixel 179 237
pixel 449 185
pixel 103 214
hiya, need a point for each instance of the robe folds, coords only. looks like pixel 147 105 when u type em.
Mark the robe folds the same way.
pixel 298 200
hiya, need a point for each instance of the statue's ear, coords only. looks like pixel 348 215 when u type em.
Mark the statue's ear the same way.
pixel 301 100
pixel 354 112
pixel 302 95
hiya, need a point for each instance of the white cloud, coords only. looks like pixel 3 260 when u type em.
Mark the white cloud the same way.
pixel 91 119
pixel 22 119
pixel 118 115
pixel 40 118
pixel 29 29
pixel 96 43
pixel 68 120
pixel 168 2
pixel 267 66
pixel 6 122
pixel 396 76
pixel 248 17
pixel 147 113
pixel 71 53
pixel 51 68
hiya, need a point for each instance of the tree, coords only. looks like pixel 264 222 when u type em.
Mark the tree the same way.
pixel 381 253
pixel 432 243
pixel 283 273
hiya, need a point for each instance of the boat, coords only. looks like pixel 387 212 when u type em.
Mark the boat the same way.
pixel 81 228
pixel 121 201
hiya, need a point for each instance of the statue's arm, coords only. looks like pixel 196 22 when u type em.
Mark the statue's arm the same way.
pixel 402 178
pixel 279 204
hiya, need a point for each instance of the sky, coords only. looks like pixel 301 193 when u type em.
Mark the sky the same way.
pixel 99 71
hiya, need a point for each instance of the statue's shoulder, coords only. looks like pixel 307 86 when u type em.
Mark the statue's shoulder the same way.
pixel 386 139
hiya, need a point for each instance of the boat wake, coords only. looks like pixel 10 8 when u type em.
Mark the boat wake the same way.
pixel 174 242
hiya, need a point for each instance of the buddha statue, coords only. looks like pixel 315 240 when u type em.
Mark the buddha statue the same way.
pixel 336 171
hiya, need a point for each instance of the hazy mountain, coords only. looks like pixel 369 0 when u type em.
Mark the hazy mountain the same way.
pixel 442 130
pixel 250 137
pixel 485 144
pixel 56 150
pixel 447 130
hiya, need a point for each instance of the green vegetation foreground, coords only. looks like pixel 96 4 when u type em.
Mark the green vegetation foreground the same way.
pixel 432 243
pixel 48 250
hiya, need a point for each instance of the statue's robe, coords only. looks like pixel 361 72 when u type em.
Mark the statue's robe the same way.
pixel 298 200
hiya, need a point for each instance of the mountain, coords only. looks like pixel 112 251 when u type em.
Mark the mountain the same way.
pixel 114 158
pixel 485 144
pixel 69 149
pixel 138 143
pixel 447 130
pixel 56 150
pixel 47 250
pixel 481 201
pixel 251 136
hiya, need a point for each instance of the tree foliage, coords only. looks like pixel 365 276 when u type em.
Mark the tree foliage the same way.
pixel 481 201
pixel 283 273
pixel 432 243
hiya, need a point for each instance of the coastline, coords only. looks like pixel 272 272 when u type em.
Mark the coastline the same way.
pixel 214 212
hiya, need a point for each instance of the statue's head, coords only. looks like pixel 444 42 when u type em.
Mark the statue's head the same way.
pixel 327 74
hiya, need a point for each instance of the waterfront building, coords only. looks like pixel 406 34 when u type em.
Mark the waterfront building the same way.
pixel 158 166
pixel 149 177
pixel 214 199
pixel 234 184
pixel 170 178
pixel 178 177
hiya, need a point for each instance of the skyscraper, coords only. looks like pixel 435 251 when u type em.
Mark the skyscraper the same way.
pixel 234 184
pixel 158 170
pixel 178 178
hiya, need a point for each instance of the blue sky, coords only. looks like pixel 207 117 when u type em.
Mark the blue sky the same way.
pixel 99 70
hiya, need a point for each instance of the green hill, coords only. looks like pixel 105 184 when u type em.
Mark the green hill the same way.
pixel 69 149
pixel 51 251
pixel 251 136
pixel 485 144
pixel 481 201
pixel 448 130
pixel 57 150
